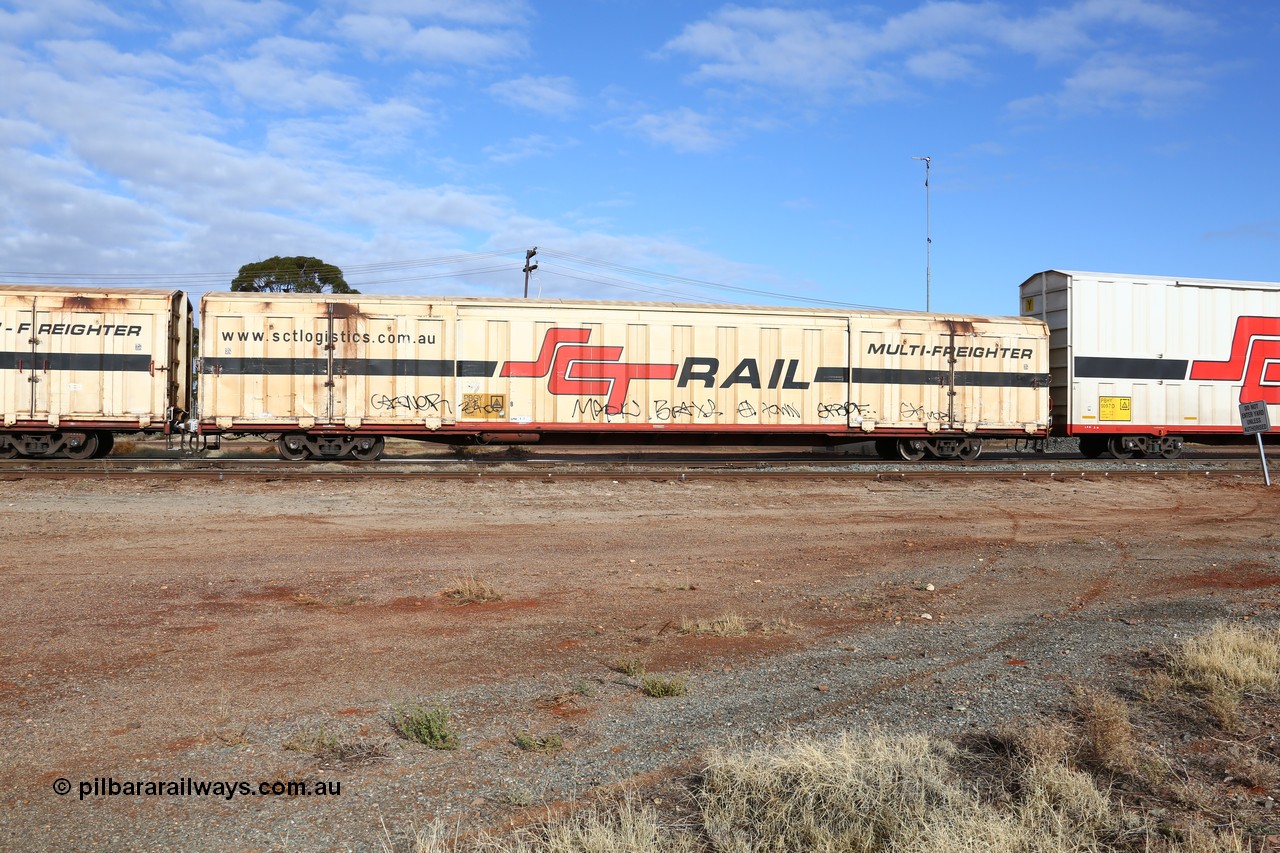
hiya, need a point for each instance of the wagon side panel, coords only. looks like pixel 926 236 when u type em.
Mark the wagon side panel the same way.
pixel 1157 355
pixel 88 358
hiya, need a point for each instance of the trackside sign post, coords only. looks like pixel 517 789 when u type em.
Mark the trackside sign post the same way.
pixel 1254 419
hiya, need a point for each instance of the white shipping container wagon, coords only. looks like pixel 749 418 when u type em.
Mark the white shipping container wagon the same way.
pixel 334 375
pixel 78 365
pixel 1140 364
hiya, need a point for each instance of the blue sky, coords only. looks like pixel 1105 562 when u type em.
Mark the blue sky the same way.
pixel 649 149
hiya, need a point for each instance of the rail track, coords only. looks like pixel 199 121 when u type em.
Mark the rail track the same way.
pixel 606 465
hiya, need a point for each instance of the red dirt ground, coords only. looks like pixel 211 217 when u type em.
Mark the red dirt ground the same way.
pixel 161 629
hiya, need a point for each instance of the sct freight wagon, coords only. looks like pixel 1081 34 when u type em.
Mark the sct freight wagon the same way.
pixel 78 365
pixel 1140 364
pixel 334 375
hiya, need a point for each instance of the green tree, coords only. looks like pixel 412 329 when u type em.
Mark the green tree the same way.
pixel 291 275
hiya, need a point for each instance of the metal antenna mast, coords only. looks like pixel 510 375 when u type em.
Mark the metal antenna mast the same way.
pixel 928 240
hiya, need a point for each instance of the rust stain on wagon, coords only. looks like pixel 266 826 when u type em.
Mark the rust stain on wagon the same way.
pixel 343 310
pixel 91 303
pixel 962 327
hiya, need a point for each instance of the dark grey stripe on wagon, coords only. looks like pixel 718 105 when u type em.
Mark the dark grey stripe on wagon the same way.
pixel 898 376
pixel 1096 367
pixel 347 367
pixel 93 361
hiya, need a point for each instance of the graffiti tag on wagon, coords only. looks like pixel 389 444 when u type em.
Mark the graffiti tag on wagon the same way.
pixel 433 403
pixel 845 409
pixel 665 410
pixel 769 410
pixel 595 410
pixel 489 406
pixel 909 411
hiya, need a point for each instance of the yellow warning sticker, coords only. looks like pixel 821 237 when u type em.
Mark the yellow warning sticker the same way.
pixel 1115 408
pixel 489 407
pixel 1028 304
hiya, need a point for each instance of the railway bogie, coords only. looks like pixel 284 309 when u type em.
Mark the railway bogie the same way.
pixel 915 449
pixel 296 446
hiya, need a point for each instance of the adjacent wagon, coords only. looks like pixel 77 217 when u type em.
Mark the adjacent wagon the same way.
pixel 79 365
pixel 1140 364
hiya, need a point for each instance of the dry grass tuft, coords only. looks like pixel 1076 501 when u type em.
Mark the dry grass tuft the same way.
pixel 881 792
pixel 628 666
pixel 1245 764
pixel 1224 707
pixel 1044 742
pixel 1229 658
pixel 1107 739
pixel 124 447
pixel 628 827
pixel 329 746
pixel 431 727
pixel 728 625
pixel 532 743
pixel 470 590
pixel 855 793
pixel 659 687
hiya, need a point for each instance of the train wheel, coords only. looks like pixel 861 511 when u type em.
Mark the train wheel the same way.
pixel 1170 447
pixel 106 441
pixel 970 449
pixel 368 448
pixel 292 446
pixel 8 450
pixel 1091 447
pixel 1115 446
pixel 911 449
pixel 81 445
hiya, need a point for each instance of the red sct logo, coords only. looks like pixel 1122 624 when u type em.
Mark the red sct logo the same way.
pixel 1254 361
pixel 585 371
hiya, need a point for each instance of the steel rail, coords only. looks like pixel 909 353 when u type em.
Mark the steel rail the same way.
pixel 591 470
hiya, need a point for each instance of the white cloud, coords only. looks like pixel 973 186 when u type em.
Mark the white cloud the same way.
pixel 211 22
pixel 1114 83
pixel 271 79
pixel 818 54
pixel 396 36
pixel 549 95
pixel 683 129
pixel 369 131
pixel 57 17
pixel 524 148
pixel 775 47
pixel 504 12
pixel 941 65
pixel 86 59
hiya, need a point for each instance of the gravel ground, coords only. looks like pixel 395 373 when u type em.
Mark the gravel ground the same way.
pixel 162 630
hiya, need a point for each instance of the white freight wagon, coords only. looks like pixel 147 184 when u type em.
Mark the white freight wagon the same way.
pixel 333 375
pixel 78 365
pixel 1140 364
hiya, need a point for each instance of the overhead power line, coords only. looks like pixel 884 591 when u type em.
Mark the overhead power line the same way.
pixel 571 267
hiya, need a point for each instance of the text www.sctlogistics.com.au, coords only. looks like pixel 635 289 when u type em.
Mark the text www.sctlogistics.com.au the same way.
pixel 108 786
